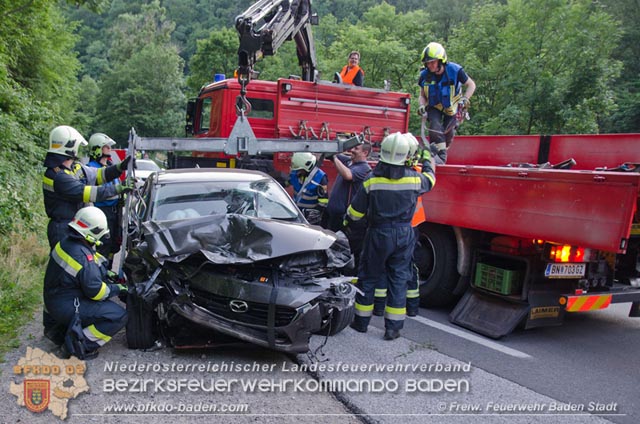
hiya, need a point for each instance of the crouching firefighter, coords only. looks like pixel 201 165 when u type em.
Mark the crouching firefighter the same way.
pixel 388 199
pixel 76 273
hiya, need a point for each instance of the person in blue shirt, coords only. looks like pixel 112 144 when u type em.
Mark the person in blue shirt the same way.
pixel 309 186
pixel 441 96
pixel 100 154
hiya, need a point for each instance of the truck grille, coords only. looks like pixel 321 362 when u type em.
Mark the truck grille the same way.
pixel 256 313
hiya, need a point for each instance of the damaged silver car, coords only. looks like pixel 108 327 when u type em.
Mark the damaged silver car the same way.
pixel 219 253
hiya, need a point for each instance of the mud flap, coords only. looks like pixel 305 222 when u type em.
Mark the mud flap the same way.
pixel 488 315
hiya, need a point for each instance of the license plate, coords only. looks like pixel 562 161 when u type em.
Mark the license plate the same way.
pixel 565 270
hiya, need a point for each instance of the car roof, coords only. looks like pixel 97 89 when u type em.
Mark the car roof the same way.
pixel 209 174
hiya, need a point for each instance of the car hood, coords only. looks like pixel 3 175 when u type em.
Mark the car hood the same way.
pixel 238 239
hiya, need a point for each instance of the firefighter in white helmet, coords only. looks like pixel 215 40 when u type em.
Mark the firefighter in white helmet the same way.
pixel 413 290
pixel 309 184
pixel 76 271
pixel 388 200
pixel 100 146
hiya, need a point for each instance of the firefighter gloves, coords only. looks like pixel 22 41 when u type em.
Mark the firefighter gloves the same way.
pixel 424 155
pixel 422 110
pixel 127 186
pixel 122 166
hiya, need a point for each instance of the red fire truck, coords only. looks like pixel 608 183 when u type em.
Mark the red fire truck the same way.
pixel 509 239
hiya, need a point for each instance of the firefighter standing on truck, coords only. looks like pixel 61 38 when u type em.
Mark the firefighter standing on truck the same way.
pixel 100 154
pixel 67 186
pixel 77 271
pixel 441 94
pixel 309 184
pixel 388 199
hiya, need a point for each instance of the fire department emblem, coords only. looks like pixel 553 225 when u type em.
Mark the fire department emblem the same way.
pixel 36 395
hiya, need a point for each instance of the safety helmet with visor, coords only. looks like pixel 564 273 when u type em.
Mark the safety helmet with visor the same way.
pixel 433 51
pixel 96 142
pixel 91 223
pixel 65 140
pixel 395 149
pixel 303 160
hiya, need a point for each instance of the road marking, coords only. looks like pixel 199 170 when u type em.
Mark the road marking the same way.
pixel 472 338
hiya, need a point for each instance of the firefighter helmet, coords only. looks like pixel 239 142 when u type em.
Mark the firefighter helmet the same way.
pixel 303 160
pixel 433 51
pixel 91 223
pixel 96 142
pixel 65 140
pixel 413 144
pixel 395 149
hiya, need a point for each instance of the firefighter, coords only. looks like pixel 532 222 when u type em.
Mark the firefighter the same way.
pixel 77 271
pixel 413 291
pixel 67 186
pixel 441 95
pixel 100 154
pixel 309 186
pixel 388 200
pixel 352 73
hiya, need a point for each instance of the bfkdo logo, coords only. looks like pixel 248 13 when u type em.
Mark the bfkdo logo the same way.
pixel 42 381
pixel 37 394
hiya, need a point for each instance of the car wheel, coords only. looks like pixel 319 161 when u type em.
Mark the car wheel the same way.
pixel 140 323
pixel 339 321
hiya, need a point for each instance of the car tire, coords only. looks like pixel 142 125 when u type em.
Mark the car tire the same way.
pixel 339 321
pixel 140 323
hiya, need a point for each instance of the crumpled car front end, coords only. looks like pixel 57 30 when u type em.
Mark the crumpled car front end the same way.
pixel 266 282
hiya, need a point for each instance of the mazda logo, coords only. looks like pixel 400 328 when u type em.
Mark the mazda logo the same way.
pixel 238 306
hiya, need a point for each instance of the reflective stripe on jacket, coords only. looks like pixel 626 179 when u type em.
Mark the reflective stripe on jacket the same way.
pixel 391 201
pixel 75 270
pixel 311 192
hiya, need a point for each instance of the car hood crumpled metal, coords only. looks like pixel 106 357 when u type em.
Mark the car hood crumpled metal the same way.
pixel 239 239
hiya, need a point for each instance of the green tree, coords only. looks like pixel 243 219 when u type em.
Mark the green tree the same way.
pixel 541 66
pixel 626 117
pixel 144 92
pixel 217 54
pixel 132 32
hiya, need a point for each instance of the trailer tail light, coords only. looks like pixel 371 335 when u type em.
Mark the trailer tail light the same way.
pixel 567 253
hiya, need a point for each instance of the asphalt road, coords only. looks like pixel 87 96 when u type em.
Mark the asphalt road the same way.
pixel 589 359
pixel 435 373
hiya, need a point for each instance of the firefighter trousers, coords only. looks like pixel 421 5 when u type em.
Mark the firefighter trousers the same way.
pixel 386 256
pixel 100 320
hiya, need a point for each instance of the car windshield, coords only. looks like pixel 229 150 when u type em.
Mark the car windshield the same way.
pixel 262 199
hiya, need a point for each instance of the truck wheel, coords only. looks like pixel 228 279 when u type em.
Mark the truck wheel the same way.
pixel 436 255
pixel 339 321
pixel 140 324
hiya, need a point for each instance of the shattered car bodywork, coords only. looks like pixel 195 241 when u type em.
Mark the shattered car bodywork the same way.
pixel 257 272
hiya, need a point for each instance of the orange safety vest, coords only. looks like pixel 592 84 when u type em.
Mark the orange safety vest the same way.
pixel 419 215
pixel 349 74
